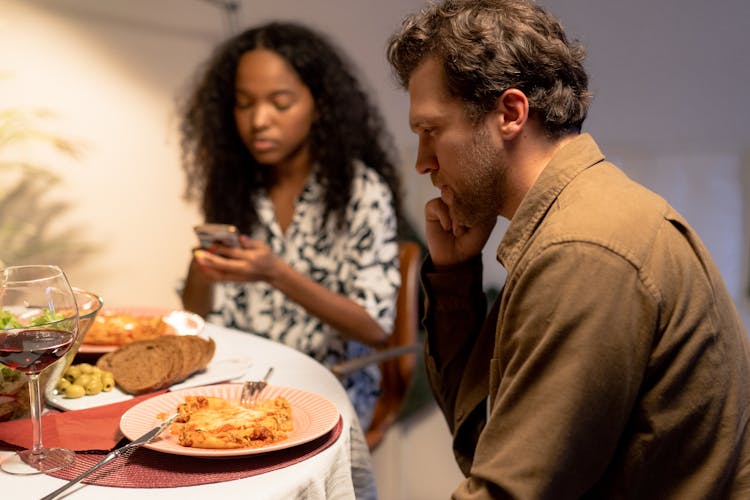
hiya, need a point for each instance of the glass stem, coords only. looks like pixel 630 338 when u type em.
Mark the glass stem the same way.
pixel 35 396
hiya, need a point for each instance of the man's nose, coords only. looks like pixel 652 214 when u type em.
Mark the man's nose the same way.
pixel 426 160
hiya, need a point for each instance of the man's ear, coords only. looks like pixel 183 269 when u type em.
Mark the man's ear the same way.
pixel 512 113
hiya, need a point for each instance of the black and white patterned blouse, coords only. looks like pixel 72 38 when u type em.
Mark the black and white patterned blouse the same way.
pixel 360 262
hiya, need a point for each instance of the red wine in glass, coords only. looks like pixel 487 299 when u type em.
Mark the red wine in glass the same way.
pixel 34 349
pixel 40 325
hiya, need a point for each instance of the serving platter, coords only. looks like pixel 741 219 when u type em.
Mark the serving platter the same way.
pixel 221 370
pixel 182 322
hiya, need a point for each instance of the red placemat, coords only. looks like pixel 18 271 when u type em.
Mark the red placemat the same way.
pixel 151 469
pixel 96 428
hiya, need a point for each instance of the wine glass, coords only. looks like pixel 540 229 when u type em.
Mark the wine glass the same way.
pixel 89 304
pixel 38 325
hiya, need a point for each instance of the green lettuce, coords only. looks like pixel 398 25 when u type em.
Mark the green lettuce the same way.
pixel 9 320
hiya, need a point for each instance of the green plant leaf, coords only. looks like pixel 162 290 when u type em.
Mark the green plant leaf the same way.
pixel 31 230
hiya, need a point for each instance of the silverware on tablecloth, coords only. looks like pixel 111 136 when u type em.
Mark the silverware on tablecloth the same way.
pixel 121 451
pixel 252 388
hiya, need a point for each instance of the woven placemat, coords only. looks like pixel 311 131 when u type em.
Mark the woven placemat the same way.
pixel 151 469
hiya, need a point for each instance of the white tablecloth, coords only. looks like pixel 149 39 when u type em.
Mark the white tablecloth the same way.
pixel 324 476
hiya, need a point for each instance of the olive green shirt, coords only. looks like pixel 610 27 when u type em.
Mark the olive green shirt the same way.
pixel 614 359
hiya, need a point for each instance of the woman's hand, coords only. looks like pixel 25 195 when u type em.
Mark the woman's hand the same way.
pixel 254 261
pixel 448 242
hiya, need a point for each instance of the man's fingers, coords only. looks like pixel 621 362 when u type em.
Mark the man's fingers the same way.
pixel 437 211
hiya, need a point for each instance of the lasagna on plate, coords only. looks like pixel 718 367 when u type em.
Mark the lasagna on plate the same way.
pixel 215 423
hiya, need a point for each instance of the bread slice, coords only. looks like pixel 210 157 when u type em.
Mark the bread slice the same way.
pixel 207 349
pixel 196 352
pixel 149 365
pixel 140 367
pixel 178 359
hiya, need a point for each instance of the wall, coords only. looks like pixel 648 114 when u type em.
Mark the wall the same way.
pixel 112 72
pixel 110 77
pixel 669 106
pixel 670 102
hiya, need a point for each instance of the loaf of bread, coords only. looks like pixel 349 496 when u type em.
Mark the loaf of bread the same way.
pixel 152 364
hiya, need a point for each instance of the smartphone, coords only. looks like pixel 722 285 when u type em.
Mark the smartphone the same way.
pixel 225 234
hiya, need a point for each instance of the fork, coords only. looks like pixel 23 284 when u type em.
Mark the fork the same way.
pixel 252 388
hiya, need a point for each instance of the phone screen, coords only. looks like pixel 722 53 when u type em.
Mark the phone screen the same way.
pixel 225 234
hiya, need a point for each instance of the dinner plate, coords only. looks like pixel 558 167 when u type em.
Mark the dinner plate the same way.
pixel 218 370
pixel 312 415
pixel 184 323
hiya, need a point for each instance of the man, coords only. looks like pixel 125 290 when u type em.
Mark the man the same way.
pixel 613 364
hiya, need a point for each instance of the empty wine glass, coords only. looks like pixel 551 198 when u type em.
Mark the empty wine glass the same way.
pixel 38 325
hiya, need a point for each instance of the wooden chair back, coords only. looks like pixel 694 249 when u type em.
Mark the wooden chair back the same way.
pixel 403 343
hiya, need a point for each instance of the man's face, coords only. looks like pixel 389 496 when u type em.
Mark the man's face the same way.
pixel 465 160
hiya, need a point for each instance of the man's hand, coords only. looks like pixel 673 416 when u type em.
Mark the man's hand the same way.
pixel 449 242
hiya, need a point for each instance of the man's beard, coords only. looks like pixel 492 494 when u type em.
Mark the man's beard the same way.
pixel 478 196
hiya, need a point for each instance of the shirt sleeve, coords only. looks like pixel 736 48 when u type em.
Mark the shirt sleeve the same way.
pixel 458 346
pixel 571 349
pixel 373 249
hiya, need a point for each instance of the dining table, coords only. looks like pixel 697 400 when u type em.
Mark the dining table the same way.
pixel 335 465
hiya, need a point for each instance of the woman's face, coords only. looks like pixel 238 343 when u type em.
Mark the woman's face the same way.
pixel 273 109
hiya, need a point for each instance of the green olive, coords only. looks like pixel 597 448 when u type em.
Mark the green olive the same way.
pixel 86 368
pixel 74 391
pixel 62 384
pixel 72 372
pixel 93 387
pixel 84 378
pixel 108 382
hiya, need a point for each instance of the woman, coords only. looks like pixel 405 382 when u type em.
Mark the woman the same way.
pixel 280 140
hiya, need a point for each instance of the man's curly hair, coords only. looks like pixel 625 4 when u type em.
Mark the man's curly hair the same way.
pixel 347 127
pixel 489 46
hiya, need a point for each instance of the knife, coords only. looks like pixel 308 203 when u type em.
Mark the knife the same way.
pixel 114 454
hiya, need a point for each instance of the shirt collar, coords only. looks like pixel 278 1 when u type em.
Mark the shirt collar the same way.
pixel 572 159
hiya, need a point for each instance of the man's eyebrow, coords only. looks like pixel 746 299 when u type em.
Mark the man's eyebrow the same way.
pixel 419 122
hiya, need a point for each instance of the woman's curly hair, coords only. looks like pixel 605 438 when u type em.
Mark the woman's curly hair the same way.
pixel 489 46
pixel 221 171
